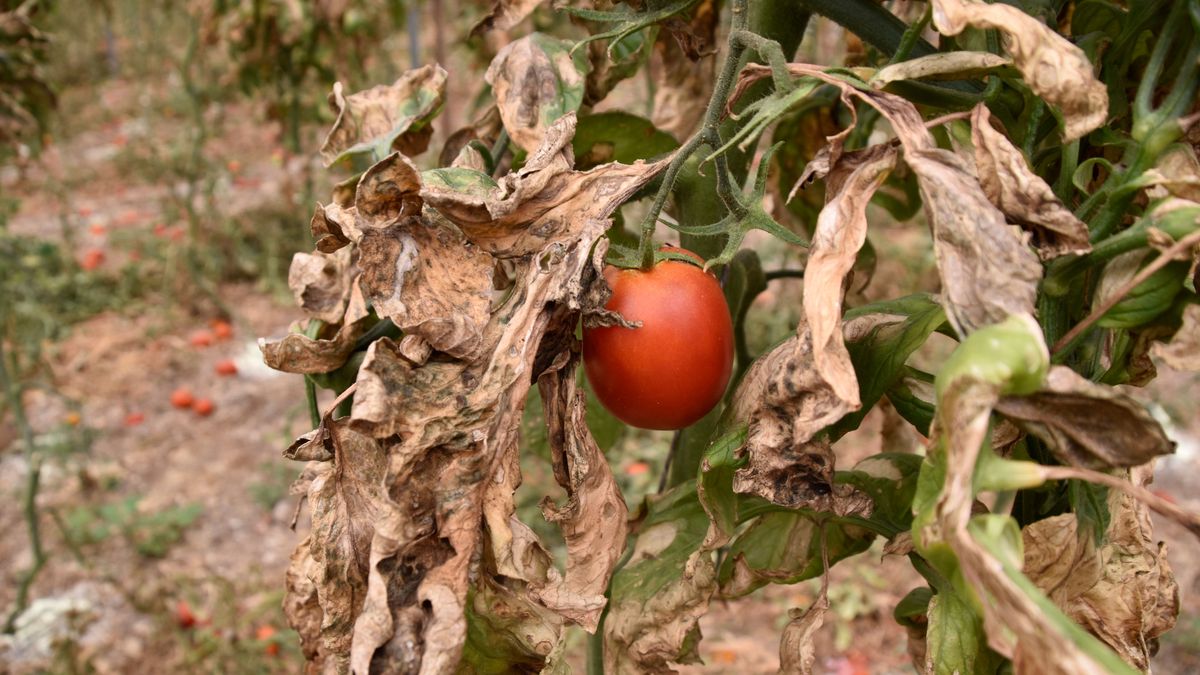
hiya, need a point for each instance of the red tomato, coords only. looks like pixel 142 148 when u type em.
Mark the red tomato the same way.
pixel 201 338
pixel 92 258
pixel 133 419
pixel 183 615
pixel 672 370
pixel 202 407
pixel 221 329
pixel 266 633
pixel 226 367
pixel 182 398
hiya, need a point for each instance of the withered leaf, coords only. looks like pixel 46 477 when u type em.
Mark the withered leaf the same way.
pixel 681 78
pixel 298 353
pixel 333 227
pixel 505 14
pixel 796 649
pixel 987 271
pixel 302 607
pixel 1088 424
pixel 538 207
pixel 808 382
pixel 1021 194
pixel 388 191
pixel 1183 351
pixel 385 118
pixel 941 66
pixel 430 282
pixel 321 283
pixel 1122 591
pixel 1054 69
pixel 536 80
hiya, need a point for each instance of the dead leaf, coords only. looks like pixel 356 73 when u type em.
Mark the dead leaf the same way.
pixel 1087 424
pixel 796 649
pixel 1021 194
pixel 298 353
pixel 504 15
pixel 1123 591
pixel 1054 69
pixel 1183 351
pixel 538 207
pixel 321 283
pixel 683 72
pixel 808 382
pixel 536 81
pixel 941 66
pixel 385 118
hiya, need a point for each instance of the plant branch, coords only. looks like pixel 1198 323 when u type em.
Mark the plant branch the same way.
pixel 12 391
pixel 1189 520
pixel 1158 263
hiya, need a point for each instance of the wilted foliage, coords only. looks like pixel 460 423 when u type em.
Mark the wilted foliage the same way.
pixel 438 297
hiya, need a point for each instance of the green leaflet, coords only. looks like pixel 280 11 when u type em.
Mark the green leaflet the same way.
pixel 955 641
pixel 879 354
pixel 466 181
pixel 617 137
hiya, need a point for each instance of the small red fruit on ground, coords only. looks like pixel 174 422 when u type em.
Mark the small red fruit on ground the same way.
pixel 133 419
pixel 201 338
pixel 184 616
pixel 222 329
pixel 182 398
pixel 226 367
pixel 92 258
pixel 202 407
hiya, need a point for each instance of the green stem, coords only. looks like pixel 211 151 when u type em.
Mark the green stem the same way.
pixel 12 391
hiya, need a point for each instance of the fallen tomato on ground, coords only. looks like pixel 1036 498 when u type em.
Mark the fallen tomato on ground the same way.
pixel 670 371
pixel 182 398
pixel 226 367
pixel 203 407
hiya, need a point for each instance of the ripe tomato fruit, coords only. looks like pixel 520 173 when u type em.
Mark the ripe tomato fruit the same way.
pixel 202 407
pixel 672 370
pixel 92 259
pixel 184 616
pixel 182 398
pixel 222 329
pixel 226 367
pixel 201 338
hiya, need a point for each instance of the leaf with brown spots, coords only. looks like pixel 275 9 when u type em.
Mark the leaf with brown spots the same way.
pixel 298 353
pixel 536 80
pixel 372 124
pixel 1021 194
pixel 1088 424
pixel 504 15
pixel 322 282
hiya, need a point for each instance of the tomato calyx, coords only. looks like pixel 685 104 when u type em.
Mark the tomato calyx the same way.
pixel 626 258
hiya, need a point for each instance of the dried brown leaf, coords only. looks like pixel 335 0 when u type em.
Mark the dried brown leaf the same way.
pixel 504 15
pixel 1183 351
pixel 683 71
pixel 1054 69
pixel 321 283
pixel 797 652
pixel 333 227
pixel 1021 194
pixel 941 66
pixel 808 382
pixel 535 81
pixel 386 117
pixel 1123 591
pixel 298 353
pixel 1088 424
pixel 538 207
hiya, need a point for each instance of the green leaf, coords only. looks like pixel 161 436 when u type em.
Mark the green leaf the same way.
pixel 715 488
pixel 506 633
pixel 466 181
pixel 628 22
pixel 880 352
pixel 914 409
pixel 890 479
pixel 955 642
pixel 605 427
pixel 744 280
pixel 617 137
pixel 1090 504
pixel 914 607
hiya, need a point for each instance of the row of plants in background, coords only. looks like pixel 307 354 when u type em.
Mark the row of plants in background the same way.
pixel 1043 146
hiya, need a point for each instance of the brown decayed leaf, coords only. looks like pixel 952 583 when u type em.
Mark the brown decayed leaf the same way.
pixel 796 649
pixel 333 227
pixel 940 66
pixel 528 79
pixel 301 606
pixel 504 15
pixel 446 426
pixel 1123 591
pixel 298 353
pixel 808 382
pixel 385 112
pixel 1054 69
pixel 987 271
pixel 1021 194
pixel 1183 351
pixel 593 518
pixel 484 128
pixel 681 78
pixel 537 208
pixel 321 283
pixel 1088 424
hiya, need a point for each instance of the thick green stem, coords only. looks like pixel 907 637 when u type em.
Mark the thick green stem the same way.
pixel 12 391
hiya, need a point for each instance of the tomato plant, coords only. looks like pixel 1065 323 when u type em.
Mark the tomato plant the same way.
pixel 670 370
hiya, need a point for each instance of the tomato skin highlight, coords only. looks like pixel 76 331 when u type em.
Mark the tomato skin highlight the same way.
pixel 671 371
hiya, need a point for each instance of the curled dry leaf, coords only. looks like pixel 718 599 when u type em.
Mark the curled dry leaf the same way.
pixel 987 271
pixel 808 382
pixel 504 15
pixel 1122 591
pixel 298 353
pixel 682 78
pixel 796 649
pixel 321 283
pixel 385 118
pixel 1183 351
pixel 941 66
pixel 537 208
pixel 1054 69
pixel 1021 194
pixel 447 426
pixel 536 80
pixel 1088 424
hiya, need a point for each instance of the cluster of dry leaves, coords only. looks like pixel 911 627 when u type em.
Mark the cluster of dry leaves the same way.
pixel 416 561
